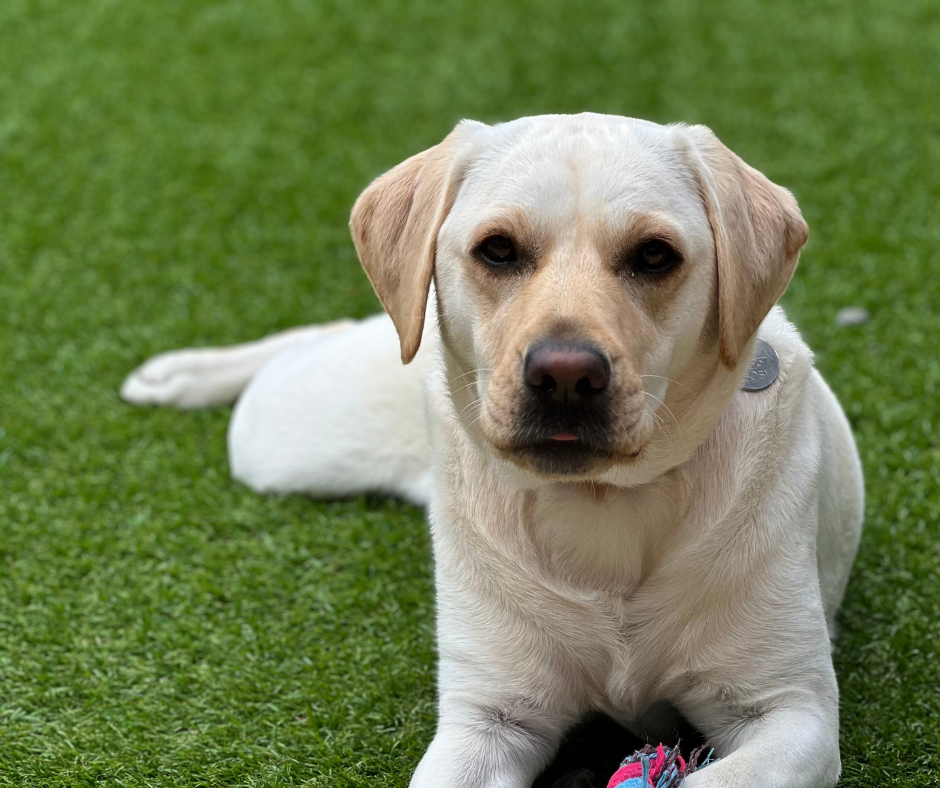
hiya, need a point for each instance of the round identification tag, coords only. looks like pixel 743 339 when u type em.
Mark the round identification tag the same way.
pixel 764 370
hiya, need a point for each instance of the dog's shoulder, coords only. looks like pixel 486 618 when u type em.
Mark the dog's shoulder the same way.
pixel 762 429
pixel 780 405
pixel 777 428
pixel 795 357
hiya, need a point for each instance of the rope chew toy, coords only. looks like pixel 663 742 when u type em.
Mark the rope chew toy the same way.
pixel 657 767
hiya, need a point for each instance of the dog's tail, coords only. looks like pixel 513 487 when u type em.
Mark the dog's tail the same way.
pixel 206 377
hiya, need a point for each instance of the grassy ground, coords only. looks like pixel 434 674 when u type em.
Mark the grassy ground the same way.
pixel 181 172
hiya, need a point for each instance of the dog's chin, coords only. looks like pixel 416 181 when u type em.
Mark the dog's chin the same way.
pixel 568 459
pixel 565 460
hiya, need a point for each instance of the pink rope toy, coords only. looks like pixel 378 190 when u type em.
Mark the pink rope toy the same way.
pixel 659 767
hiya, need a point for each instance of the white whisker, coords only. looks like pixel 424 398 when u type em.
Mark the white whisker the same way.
pixel 471 372
pixel 473 403
pixel 664 405
pixel 663 377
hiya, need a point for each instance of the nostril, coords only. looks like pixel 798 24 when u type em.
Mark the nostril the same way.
pixel 548 384
pixel 588 386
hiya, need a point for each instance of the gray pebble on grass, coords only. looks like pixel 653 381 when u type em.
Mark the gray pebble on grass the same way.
pixel 852 316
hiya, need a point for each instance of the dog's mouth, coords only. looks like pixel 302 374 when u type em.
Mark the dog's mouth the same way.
pixel 564 440
pixel 565 452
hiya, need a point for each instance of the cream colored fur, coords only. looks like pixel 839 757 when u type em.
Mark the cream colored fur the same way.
pixel 705 574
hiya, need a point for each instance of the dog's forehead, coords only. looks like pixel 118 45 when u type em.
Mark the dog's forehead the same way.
pixel 557 165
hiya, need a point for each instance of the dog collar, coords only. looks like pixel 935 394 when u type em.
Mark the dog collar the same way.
pixel 765 368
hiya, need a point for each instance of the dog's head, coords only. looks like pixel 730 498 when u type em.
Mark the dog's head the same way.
pixel 582 265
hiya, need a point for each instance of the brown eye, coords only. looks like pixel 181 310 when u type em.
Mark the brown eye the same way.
pixel 497 251
pixel 655 257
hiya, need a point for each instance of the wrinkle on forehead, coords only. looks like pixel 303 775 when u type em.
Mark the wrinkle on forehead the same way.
pixel 558 167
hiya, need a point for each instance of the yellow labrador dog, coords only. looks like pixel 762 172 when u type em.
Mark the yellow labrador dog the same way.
pixel 617 524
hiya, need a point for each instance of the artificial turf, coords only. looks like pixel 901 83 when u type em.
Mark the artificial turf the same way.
pixel 180 173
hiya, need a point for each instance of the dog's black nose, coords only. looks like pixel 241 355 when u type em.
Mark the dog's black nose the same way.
pixel 566 371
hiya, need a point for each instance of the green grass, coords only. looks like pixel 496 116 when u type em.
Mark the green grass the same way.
pixel 180 172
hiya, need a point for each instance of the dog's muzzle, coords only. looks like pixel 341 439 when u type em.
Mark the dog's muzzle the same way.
pixel 564 409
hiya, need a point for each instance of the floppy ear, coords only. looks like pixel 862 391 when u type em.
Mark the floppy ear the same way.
pixel 394 225
pixel 758 232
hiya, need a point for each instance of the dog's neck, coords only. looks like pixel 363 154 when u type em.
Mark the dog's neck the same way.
pixel 539 524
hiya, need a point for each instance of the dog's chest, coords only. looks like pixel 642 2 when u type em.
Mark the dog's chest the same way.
pixel 629 650
pixel 604 553
pixel 604 539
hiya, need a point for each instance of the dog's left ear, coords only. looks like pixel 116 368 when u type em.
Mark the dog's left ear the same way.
pixel 394 226
pixel 758 231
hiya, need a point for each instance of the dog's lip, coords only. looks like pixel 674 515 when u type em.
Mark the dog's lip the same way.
pixel 565 440
pixel 568 445
pixel 568 460
pixel 574 444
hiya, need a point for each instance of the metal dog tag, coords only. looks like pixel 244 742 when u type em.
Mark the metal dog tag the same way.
pixel 764 370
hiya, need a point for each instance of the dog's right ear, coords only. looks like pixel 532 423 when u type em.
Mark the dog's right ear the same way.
pixel 395 223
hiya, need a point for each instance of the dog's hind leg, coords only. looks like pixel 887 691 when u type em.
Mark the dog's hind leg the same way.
pixel 340 416
pixel 205 377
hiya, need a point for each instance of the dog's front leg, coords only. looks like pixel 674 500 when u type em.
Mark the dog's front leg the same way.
pixel 483 746
pixel 792 746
